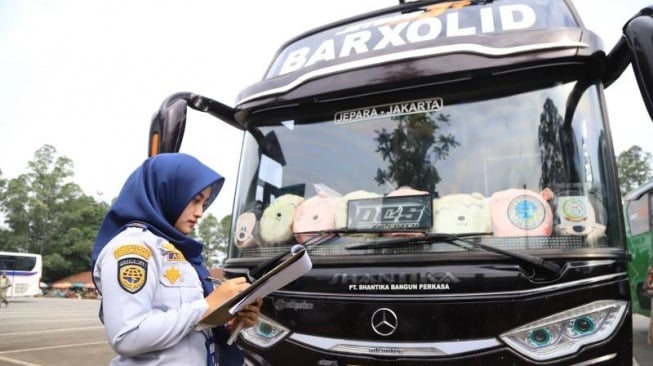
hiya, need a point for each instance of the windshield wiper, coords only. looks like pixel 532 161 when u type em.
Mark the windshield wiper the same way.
pixel 318 237
pixel 454 239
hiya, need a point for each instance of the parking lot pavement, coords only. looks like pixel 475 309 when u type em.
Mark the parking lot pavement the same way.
pixel 46 331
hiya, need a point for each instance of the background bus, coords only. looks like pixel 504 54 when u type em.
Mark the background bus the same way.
pixel 638 208
pixel 24 270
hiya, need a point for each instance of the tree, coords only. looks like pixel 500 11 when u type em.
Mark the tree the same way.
pixel 47 213
pixel 634 168
pixel 553 170
pixel 215 236
pixel 412 149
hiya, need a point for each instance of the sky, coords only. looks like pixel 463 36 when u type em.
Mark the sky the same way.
pixel 86 76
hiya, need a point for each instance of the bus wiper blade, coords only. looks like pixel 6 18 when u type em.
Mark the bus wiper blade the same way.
pixel 453 239
pixel 411 241
pixel 345 231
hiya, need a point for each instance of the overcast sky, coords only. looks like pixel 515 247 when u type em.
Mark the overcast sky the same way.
pixel 86 76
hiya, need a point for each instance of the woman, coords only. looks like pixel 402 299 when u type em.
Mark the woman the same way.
pixel 154 285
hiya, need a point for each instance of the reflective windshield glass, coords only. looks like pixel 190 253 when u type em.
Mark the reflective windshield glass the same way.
pixel 517 170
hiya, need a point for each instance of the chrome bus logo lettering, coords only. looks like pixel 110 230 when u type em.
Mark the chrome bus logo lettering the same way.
pixel 407 31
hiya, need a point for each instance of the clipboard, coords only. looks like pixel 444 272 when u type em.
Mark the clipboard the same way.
pixel 284 273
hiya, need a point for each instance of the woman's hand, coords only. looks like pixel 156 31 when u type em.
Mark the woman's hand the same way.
pixel 249 315
pixel 226 290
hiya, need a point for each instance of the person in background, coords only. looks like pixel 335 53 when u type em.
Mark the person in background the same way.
pixel 5 283
pixel 150 272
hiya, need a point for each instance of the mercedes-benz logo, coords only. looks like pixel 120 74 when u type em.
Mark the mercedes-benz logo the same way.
pixel 384 322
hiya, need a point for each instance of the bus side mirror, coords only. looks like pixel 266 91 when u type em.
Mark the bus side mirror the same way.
pixel 167 127
pixel 638 33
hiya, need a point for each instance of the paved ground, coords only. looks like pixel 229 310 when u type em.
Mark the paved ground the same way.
pixel 64 332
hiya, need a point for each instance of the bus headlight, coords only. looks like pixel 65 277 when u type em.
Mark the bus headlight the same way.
pixel 266 333
pixel 566 332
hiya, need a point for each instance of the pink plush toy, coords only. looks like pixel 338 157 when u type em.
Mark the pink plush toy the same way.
pixel 405 191
pixel 521 212
pixel 315 213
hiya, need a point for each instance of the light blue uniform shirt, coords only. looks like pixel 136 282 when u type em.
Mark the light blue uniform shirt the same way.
pixel 152 299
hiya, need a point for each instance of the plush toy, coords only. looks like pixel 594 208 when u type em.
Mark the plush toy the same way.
pixel 461 213
pixel 315 213
pixel 405 191
pixel 577 217
pixel 341 208
pixel 276 222
pixel 521 212
pixel 246 226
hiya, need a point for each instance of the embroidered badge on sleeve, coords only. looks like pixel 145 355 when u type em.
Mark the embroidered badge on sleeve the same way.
pixel 172 275
pixel 131 249
pixel 132 274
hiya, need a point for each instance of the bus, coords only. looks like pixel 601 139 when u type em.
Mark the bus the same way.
pixel 24 270
pixel 449 168
pixel 638 207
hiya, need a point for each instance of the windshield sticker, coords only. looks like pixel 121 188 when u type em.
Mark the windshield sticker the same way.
pixel 389 110
pixel 270 171
pixel 391 213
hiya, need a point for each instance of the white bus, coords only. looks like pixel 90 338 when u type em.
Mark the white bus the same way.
pixel 24 270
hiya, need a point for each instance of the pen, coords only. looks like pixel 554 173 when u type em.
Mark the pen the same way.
pixel 234 334
pixel 216 281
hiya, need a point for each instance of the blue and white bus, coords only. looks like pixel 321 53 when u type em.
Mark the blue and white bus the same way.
pixel 24 270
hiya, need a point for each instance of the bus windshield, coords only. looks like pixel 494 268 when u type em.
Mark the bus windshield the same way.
pixel 24 271
pixel 519 169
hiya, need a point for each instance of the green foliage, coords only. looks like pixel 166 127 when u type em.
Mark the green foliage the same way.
pixel 46 213
pixel 634 168
pixel 412 150
pixel 551 154
pixel 215 236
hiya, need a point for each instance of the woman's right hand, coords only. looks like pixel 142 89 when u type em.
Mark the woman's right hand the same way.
pixel 226 290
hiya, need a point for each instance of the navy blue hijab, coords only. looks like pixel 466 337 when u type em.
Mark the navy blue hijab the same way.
pixel 155 194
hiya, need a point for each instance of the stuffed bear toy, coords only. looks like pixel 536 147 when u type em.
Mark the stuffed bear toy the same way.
pixel 577 217
pixel 315 213
pixel 246 227
pixel 521 212
pixel 342 209
pixel 275 226
pixel 461 213
pixel 405 191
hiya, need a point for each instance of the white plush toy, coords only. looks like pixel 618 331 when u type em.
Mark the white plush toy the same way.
pixel 461 213
pixel 276 222
pixel 577 217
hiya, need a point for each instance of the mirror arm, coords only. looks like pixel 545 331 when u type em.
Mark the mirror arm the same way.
pixel 617 60
pixel 214 108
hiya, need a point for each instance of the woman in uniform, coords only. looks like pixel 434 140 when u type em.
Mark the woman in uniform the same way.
pixel 154 285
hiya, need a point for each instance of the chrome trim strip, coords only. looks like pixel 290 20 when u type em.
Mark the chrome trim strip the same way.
pixel 539 290
pixel 597 360
pixel 377 348
pixel 423 52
